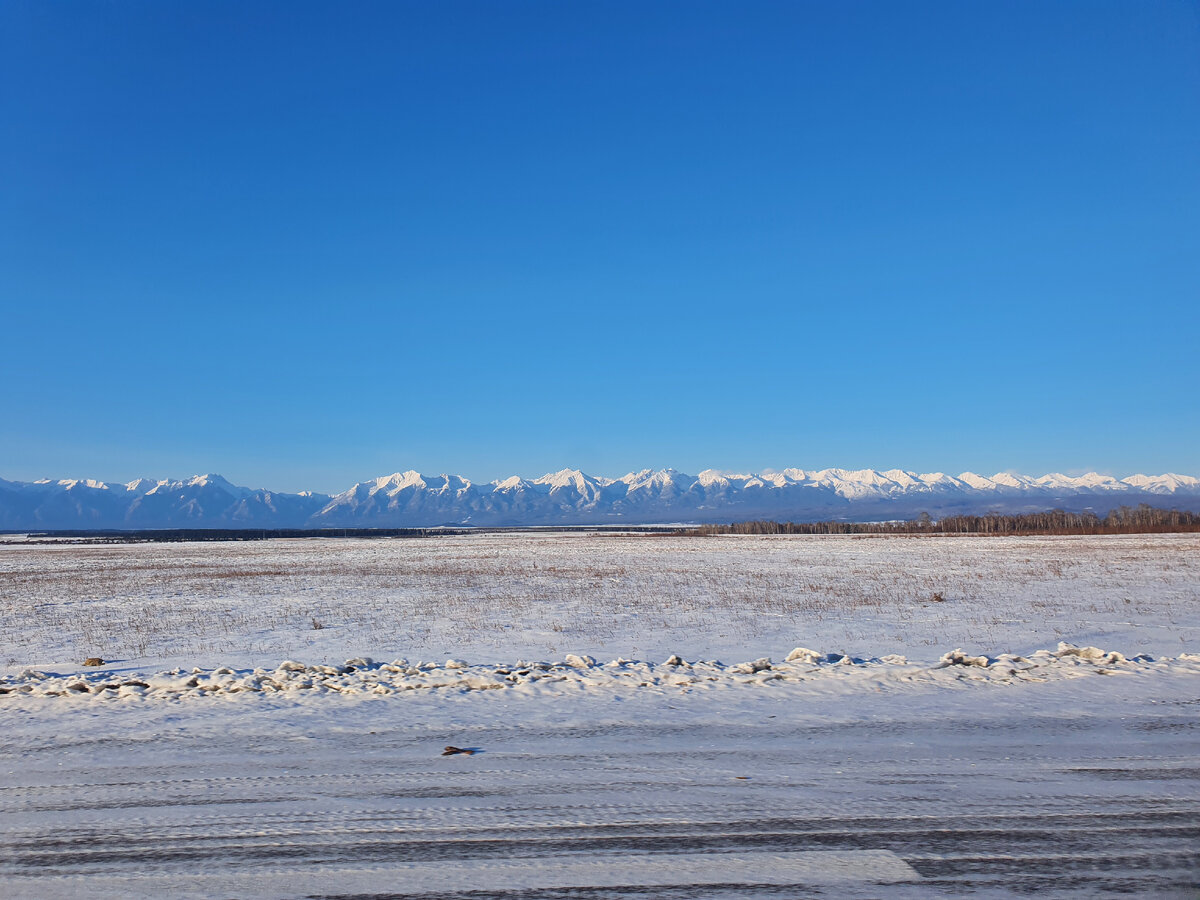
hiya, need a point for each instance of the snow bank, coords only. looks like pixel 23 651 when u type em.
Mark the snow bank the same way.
pixel 364 676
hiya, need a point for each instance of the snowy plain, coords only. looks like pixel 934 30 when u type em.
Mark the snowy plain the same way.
pixel 640 727
pixel 500 597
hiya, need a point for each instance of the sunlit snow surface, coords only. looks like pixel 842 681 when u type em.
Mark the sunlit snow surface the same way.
pixel 652 717
pixel 500 598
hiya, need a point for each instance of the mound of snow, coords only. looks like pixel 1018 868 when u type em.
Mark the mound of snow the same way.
pixel 958 658
pixel 803 654
pixel 1093 653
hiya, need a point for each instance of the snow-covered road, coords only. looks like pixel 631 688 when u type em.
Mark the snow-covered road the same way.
pixel 1073 788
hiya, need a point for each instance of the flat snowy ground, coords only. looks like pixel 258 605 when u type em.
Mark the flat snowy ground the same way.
pixel 232 749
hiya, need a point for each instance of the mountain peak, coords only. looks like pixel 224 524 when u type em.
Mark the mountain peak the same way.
pixel 211 480
pixel 512 483
pixel 409 478
pixel 141 485
pixel 71 483
pixel 563 478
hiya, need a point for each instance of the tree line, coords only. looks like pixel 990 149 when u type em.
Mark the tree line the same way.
pixel 1142 519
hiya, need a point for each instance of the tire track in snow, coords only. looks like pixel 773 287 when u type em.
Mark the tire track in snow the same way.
pixel 1075 805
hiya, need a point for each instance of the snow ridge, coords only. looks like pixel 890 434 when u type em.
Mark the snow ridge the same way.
pixel 572 497
pixel 365 676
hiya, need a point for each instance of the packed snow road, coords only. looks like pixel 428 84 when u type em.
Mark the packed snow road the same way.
pixel 1084 787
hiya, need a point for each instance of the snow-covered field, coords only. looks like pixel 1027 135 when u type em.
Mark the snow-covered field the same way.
pixel 653 717
pixel 502 597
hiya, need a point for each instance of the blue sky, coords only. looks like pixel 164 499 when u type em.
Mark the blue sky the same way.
pixel 304 244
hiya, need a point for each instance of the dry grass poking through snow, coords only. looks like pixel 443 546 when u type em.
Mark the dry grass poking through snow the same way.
pixel 499 595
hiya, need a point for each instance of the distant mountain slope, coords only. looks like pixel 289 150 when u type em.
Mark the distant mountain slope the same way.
pixel 201 502
pixel 571 497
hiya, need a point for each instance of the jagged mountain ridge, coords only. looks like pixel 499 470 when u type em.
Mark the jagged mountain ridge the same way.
pixel 570 497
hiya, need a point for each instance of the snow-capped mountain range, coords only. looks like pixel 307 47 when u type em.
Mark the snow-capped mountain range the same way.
pixel 571 497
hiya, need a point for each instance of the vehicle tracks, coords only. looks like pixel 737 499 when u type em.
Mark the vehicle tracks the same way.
pixel 682 807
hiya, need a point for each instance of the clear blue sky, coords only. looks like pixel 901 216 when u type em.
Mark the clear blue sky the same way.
pixel 303 244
